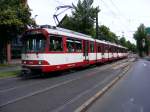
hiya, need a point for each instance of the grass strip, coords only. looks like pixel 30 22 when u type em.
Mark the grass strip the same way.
pixel 9 74
pixel 6 65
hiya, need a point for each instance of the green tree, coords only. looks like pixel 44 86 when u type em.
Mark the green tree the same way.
pixel 14 19
pixel 147 45
pixel 106 34
pixel 83 17
pixel 130 46
pixel 113 37
pixel 123 41
pixel 127 44
pixel 141 40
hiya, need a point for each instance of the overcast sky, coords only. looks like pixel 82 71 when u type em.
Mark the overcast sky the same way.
pixel 121 16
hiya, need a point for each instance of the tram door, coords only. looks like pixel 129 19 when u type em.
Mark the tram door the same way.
pixel 85 50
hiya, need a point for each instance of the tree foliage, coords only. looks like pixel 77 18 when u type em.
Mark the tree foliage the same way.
pixel 14 19
pixel 141 40
pixel 107 35
pixel 123 41
pixel 83 17
pixel 130 46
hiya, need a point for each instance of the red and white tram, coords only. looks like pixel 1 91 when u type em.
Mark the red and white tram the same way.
pixel 53 49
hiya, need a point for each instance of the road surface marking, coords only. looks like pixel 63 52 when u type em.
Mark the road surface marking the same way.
pixel 144 64
pixel 120 65
pixel 45 89
pixel 82 94
pixel 85 105
pixel 131 99
pixel 24 85
pixel 2 80
pixel 38 92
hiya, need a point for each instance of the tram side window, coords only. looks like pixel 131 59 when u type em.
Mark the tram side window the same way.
pixel 114 49
pixel 110 49
pixel 102 48
pixel 99 49
pixel 106 48
pixel 92 47
pixel 70 45
pixel 56 43
pixel 78 45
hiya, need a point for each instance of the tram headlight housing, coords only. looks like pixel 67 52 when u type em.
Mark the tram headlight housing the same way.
pixel 24 62
pixel 40 62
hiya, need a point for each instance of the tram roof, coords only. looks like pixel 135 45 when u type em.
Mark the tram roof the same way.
pixel 69 33
pixel 73 34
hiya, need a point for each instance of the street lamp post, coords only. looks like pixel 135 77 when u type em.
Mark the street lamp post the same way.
pixel 97 25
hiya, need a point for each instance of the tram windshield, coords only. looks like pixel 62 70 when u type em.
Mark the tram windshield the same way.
pixel 34 43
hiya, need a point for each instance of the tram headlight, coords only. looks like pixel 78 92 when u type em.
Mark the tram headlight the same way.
pixel 40 62
pixel 24 62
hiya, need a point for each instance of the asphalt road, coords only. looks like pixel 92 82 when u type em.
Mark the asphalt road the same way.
pixel 62 93
pixel 130 94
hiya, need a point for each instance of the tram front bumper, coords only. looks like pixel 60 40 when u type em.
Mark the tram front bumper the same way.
pixel 31 70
